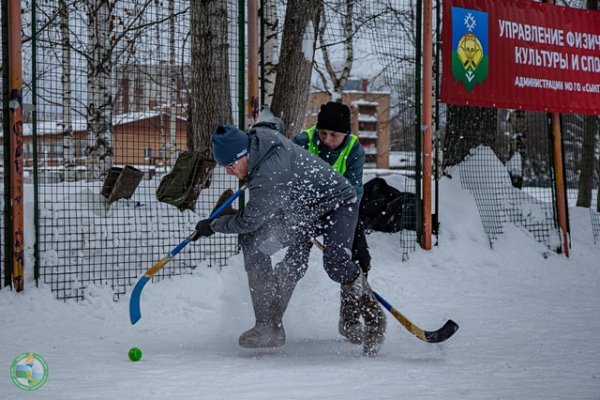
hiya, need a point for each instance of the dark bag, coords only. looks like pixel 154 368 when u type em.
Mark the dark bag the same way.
pixel 120 183
pixel 386 209
pixel 181 187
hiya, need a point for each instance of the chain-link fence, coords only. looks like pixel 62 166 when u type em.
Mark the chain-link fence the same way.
pixel 365 57
pixel 110 82
pixel 595 218
pixel 107 86
pixel 581 136
pixel 3 275
pixel 510 173
pixel 397 47
pixel 510 167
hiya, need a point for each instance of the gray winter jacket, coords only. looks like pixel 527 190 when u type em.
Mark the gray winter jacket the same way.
pixel 283 177
pixel 354 163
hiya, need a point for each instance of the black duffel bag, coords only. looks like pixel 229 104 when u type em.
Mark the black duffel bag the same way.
pixel 384 208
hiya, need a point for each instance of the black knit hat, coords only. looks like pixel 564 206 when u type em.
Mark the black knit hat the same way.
pixel 335 117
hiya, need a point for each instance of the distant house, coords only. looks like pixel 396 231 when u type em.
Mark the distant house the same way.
pixel 139 139
pixel 370 120
pixel 140 87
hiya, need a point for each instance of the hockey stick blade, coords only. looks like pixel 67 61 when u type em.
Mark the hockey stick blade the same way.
pixel 135 313
pixel 441 335
pixel 134 301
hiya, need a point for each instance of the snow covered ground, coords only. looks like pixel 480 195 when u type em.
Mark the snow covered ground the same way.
pixel 529 322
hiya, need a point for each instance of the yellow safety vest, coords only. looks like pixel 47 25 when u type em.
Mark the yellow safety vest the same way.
pixel 340 164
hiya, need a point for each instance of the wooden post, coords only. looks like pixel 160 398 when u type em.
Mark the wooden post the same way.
pixel 559 179
pixel 559 182
pixel 252 103
pixel 15 85
pixel 427 122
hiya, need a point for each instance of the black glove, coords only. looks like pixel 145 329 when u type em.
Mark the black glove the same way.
pixel 203 229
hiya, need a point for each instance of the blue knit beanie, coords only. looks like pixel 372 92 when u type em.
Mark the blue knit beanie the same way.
pixel 229 144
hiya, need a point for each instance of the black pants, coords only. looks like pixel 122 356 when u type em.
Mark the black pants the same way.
pixel 272 288
pixel 337 228
pixel 360 248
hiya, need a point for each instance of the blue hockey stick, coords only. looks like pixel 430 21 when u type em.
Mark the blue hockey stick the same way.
pixel 134 302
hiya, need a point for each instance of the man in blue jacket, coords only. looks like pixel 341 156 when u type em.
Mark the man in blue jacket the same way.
pixel 293 196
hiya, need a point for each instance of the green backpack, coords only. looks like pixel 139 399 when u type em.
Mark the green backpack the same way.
pixel 181 187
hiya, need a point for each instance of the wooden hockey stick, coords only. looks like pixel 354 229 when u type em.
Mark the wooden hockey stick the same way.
pixel 438 336
pixel 442 334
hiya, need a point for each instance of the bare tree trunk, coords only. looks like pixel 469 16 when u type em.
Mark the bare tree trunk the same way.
pixel 161 157
pixel 466 128
pixel 211 91
pixel 518 149
pixel 99 148
pixel 68 138
pixel 295 63
pixel 171 155
pixel 270 47
pixel 347 17
pixel 588 161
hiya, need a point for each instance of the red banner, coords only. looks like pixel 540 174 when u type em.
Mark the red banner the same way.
pixel 521 54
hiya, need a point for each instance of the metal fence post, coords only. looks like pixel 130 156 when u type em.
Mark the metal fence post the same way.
pixel 7 249
pixel 15 106
pixel 36 209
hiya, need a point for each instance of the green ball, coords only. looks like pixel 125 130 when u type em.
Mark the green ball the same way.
pixel 135 354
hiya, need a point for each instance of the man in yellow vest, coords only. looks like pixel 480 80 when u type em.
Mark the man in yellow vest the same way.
pixel 331 140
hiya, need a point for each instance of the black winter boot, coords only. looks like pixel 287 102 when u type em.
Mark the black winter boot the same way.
pixel 375 322
pixel 267 332
pixel 375 326
pixel 263 335
pixel 349 325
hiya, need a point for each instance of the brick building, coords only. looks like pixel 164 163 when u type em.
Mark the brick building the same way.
pixel 139 139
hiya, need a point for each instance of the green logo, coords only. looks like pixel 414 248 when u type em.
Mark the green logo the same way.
pixel 469 46
pixel 29 371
